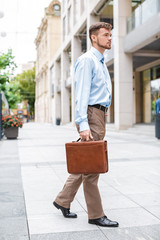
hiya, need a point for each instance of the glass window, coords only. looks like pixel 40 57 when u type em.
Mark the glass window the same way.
pixel 56 9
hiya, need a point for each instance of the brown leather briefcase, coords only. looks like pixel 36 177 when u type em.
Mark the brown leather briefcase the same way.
pixel 87 157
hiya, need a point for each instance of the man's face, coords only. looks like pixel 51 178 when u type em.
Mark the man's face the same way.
pixel 103 38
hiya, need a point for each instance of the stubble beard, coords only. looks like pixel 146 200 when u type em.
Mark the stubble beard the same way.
pixel 103 46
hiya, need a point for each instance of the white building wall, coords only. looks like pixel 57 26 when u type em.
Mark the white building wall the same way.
pixel 123 69
pixel 82 15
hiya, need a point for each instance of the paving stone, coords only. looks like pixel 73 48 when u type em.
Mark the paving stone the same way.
pixel 6 197
pixel 13 226
pixel 55 222
pixel 13 222
pixel 116 202
pixel 12 189
pixel 155 210
pixel 9 172
pixel 134 233
pixel 14 237
pixel 132 217
pixel 146 199
pixel 12 209
pixel 87 235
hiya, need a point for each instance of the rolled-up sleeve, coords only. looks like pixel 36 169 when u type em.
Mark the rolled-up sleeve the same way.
pixel 82 78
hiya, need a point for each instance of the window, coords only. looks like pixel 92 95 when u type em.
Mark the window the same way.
pixel 56 9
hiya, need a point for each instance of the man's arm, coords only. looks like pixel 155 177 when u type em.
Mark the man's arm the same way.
pixel 82 77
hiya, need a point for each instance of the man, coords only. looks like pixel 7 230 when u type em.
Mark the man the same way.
pixel 157 105
pixel 92 97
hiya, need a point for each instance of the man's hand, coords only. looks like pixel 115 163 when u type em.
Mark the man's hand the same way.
pixel 86 135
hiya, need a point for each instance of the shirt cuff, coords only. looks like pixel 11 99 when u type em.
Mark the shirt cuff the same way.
pixel 83 126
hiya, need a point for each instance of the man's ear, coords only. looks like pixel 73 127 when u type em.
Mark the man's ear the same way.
pixel 94 38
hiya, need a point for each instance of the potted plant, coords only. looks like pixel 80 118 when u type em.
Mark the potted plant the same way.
pixel 11 123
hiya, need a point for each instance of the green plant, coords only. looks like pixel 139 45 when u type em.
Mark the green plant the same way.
pixel 12 94
pixel 7 66
pixel 26 81
pixel 11 121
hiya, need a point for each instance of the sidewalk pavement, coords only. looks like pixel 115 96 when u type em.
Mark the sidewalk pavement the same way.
pixel 33 171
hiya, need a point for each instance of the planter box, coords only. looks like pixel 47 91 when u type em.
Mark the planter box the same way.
pixel 11 132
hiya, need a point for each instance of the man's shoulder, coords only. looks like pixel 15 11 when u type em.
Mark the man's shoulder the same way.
pixel 86 56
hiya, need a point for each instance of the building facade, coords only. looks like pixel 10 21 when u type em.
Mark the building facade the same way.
pixel 47 42
pixel 133 61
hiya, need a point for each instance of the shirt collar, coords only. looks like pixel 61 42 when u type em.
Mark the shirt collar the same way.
pixel 97 54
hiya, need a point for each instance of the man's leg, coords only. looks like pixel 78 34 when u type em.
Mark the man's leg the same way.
pixel 92 196
pixel 66 196
pixel 96 120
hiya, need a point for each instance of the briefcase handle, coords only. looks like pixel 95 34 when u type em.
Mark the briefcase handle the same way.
pixel 80 139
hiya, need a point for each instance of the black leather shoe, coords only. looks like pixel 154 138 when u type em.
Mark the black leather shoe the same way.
pixel 104 222
pixel 65 211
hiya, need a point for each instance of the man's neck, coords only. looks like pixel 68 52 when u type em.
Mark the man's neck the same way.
pixel 100 49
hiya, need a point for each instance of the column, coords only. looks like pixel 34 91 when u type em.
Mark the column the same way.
pixel 76 52
pixel 138 97
pixel 56 101
pixel 36 101
pixel 65 95
pixel 91 19
pixel 123 69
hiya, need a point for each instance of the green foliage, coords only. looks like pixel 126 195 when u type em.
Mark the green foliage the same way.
pixel 12 93
pixel 21 88
pixel 7 66
pixel 26 81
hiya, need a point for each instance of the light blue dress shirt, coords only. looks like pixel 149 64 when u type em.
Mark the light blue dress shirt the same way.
pixel 92 85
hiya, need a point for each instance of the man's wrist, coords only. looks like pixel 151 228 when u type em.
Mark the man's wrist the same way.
pixel 83 126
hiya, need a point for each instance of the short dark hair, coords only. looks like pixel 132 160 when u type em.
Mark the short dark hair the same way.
pixel 95 27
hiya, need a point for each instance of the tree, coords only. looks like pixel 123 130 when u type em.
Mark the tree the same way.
pixel 7 66
pixel 12 93
pixel 26 82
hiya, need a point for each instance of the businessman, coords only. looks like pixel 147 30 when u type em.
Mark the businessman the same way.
pixel 92 97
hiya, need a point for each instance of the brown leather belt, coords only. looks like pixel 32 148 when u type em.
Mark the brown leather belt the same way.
pixel 104 109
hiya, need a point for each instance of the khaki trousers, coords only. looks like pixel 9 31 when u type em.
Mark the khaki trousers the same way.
pixel 96 120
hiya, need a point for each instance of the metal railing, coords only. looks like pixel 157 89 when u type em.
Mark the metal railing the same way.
pixel 145 11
